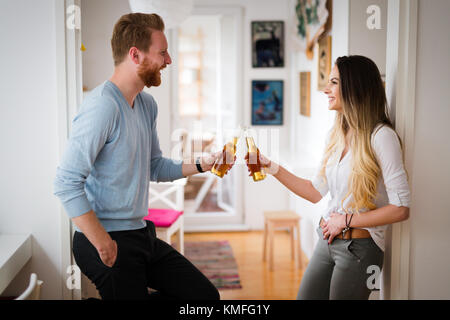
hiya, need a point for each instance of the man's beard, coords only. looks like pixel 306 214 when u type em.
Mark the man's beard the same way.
pixel 149 74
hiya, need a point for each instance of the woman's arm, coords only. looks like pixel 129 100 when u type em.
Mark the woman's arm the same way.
pixel 301 187
pixel 378 217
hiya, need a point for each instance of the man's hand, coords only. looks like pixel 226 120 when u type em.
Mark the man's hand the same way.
pixel 208 162
pixel 333 226
pixel 108 254
pixel 98 237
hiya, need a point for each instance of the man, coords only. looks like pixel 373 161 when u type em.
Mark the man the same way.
pixel 103 177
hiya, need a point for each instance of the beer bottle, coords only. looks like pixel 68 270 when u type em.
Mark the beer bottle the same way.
pixel 254 164
pixel 223 164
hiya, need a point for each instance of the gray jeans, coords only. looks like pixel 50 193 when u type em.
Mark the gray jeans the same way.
pixel 339 270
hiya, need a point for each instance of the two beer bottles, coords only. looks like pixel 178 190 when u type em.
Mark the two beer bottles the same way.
pixel 223 164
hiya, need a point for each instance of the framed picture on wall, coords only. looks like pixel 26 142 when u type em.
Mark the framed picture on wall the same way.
pixel 267 44
pixel 323 62
pixel 305 94
pixel 267 102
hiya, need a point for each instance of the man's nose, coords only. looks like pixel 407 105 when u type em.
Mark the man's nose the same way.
pixel 168 60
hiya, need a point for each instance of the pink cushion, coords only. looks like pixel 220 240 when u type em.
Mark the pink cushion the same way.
pixel 163 217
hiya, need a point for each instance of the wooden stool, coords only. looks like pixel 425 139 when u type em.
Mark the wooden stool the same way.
pixel 282 219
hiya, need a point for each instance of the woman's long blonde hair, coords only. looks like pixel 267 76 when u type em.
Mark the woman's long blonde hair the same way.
pixel 364 107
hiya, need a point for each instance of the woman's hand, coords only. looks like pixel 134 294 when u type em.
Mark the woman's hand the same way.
pixel 334 226
pixel 269 166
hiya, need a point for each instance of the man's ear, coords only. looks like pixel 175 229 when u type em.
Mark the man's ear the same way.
pixel 133 53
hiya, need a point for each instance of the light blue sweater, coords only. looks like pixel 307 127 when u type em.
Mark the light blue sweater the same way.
pixel 112 154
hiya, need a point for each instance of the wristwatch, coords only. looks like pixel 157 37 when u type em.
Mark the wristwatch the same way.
pixel 197 163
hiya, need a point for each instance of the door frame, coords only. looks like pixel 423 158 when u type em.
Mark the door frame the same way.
pixel 401 51
pixel 69 97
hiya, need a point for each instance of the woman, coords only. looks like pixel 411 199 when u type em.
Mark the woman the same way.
pixel 363 169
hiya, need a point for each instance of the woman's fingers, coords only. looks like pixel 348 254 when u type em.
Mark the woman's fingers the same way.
pixel 330 239
pixel 325 233
pixel 264 161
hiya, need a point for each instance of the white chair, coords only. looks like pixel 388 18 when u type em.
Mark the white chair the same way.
pixel 33 292
pixel 168 219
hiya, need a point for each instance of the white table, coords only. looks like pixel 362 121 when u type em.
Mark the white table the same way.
pixel 15 251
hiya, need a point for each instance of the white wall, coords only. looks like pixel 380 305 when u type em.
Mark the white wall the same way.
pixel 268 194
pixel 430 213
pixel 364 41
pixel 29 138
pixel 97 22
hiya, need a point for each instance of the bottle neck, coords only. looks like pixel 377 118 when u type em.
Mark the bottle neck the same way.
pixel 251 144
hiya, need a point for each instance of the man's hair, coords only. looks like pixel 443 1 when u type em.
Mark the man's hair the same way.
pixel 134 30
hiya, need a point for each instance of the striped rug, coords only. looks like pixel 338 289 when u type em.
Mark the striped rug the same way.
pixel 216 261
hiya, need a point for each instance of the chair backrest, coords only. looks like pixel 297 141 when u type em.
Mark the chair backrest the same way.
pixel 33 292
pixel 163 192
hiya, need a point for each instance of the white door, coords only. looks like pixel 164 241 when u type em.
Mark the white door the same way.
pixel 208 56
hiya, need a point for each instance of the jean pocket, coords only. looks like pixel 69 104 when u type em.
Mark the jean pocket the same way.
pixel 352 250
pixel 361 248
pixel 319 233
pixel 115 264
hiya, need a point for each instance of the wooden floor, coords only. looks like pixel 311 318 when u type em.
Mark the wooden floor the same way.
pixel 257 281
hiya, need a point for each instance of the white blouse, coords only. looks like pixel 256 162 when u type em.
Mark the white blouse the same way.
pixel 392 187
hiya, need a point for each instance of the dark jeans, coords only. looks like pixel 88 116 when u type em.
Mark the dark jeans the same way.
pixel 143 261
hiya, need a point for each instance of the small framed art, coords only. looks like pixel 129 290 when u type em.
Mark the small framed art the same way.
pixel 267 44
pixel 305 93
pixel 267 102
pixel 323 62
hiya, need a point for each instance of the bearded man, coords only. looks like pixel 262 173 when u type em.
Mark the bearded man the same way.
pixel 103 177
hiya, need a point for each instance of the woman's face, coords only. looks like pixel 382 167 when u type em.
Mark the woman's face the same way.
pixel 332 90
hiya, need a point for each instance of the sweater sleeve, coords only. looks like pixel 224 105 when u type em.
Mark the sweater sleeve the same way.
pixel 94 126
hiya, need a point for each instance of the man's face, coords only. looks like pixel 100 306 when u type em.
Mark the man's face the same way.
pixel 156 59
